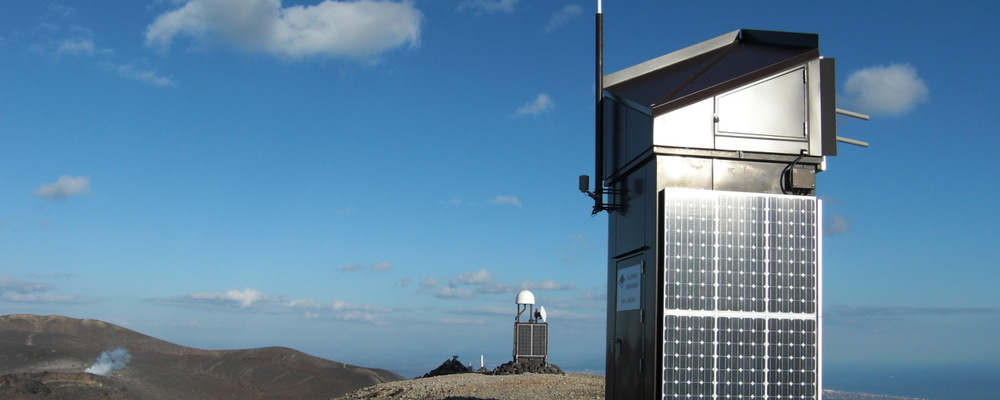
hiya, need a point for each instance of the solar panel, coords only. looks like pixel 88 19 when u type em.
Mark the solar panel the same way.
pixel 741 281
pixel 530 340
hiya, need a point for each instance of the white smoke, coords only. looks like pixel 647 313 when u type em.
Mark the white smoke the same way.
pixel 111 360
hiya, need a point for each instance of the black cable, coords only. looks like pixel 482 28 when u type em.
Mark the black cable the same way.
pixel 786 173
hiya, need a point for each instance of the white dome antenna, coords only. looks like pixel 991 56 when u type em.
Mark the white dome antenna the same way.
pixel 525 297
pixel 525 302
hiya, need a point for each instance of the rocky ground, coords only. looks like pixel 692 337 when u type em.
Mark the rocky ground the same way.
pixel 478 386
pixel 475 386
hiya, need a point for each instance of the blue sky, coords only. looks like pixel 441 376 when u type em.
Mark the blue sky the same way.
pixel 373 181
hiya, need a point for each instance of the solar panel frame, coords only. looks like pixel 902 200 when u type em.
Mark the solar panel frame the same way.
pixel 741 295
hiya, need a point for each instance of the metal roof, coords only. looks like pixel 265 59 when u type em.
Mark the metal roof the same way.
pixel 711 67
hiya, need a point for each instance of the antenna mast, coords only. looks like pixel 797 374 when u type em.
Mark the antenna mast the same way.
pixel 599 114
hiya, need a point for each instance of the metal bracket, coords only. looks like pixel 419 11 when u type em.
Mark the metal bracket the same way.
pixel 599 203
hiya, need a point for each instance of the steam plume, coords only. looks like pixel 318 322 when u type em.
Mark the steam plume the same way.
pixel 108 361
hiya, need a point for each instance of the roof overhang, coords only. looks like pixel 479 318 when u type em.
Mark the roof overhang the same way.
pixel 711 67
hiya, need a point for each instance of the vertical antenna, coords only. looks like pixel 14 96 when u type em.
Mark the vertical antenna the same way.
pixel 599 114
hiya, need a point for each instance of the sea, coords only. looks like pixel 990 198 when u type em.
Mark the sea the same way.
pixel 960 381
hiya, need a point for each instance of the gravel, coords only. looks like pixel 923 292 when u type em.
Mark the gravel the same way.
pixel 474 386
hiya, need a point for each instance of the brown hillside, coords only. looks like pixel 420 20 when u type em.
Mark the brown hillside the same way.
pixel 64 347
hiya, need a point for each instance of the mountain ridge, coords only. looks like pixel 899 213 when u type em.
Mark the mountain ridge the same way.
pixel 64 347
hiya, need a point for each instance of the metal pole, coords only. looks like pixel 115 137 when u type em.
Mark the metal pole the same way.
pixel 850 113
pixel 599 114
pixel 852 141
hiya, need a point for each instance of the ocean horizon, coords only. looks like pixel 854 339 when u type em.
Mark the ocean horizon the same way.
pixel 957 381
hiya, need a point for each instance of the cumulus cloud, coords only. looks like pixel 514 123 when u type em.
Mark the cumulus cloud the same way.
pixel 540 105
pixel 19 291
pixel 381 266
pixel 11 284
pixel 244 298
pixel 589 295
pixel 480 7
pixel 79 47
pixel 143 75
pixel 359 316
pixel 78 41
pixel 336 305
pixel 461 321
pixel 451 292
pixel 480 277
pixel 355 29
pixel 563 16
pixel 468 284
pixel 64 187
pixel 429 282
pixel 506 201
pixel 563 315
pixel 547 284
pixel 886 90
pixel 256 301
pixel 483 311
pixel 351 267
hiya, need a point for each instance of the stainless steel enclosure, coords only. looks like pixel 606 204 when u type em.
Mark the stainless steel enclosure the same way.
pixel 709 156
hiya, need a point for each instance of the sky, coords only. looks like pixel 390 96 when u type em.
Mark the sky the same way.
pixel 373 181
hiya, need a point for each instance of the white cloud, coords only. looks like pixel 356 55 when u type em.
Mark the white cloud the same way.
pixel 18 291
pixel 359 316
pixel 429 282
pixel 506 201
pixel 142 75
pixel 887 90
pixel 64 187
pixel 336 305
pixel 451 292
pixel 381 266
pixel 495 288
pixel 79 47
pixel 480 277
pixel 351 267
pixel 356 29
pixel 541 104
pixel 480 7
pixel 245 298
pixel 563 315
pixel 256 301
pixel 491 310
pixel 41 298
pixel 461 321
pixel 563 16
pixel 547 284
pixel 79 42
pixel 11 284
pixel 588 295
pixel 61 10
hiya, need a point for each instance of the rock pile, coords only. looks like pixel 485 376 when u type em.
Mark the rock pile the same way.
pixel 452 366
pixel 516 368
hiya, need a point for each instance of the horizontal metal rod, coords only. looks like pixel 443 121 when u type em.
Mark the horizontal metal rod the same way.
pixel 850 113
pixel 852 141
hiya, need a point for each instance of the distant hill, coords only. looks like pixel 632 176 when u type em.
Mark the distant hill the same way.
pixel 45 357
